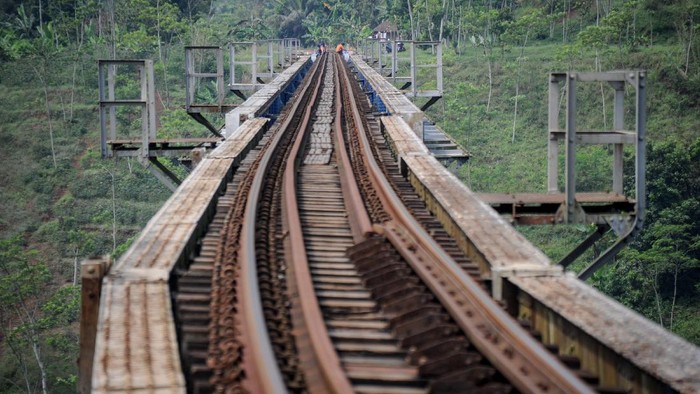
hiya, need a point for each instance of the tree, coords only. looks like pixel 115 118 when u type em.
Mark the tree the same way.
pixel 518 33
pixel 193 8
pixel 45 47
pixel 687 23
pixel 143 23
pixel 663 266
pixel 484 27
pixel 22 283
pixel 291 15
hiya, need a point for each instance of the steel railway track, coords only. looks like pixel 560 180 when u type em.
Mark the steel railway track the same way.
pixel 323 272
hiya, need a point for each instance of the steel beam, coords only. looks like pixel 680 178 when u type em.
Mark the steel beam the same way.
pixel 618 124
pixel 162 173
pixel 438 82
pixel 570 140
pixel 237 82
pixel 598 137
pixel 414 69
pixel 553 124
pixel 108 102
pixel 638 80
pixel 601 229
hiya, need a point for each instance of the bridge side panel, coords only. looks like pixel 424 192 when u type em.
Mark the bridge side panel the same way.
pixel 394 100
pixel 604 334
pixel 269 95
pixel 136 346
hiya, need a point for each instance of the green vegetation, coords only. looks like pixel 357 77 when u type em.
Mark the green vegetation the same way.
pixel 62 202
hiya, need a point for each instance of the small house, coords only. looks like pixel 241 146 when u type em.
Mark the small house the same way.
pixel 385 31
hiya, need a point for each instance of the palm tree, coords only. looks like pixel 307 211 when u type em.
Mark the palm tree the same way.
pixel 291 14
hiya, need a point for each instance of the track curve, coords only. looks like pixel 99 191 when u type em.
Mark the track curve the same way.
pixel 324 280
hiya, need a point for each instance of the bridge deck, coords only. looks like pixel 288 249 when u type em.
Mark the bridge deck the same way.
pixel 499 245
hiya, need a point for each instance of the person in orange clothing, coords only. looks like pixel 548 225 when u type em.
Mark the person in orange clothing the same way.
pixel 340 48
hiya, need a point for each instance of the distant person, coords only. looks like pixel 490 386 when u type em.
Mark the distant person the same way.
pixel 322 47
pixel 340 48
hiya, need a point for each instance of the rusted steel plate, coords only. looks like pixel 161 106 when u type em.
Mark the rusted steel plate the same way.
pixel 542 198
pixel 138 349
pixel 643 343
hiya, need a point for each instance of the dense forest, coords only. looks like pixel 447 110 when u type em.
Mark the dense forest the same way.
pixel 62 202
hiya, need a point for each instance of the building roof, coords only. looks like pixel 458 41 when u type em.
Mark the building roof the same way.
pixel 386 26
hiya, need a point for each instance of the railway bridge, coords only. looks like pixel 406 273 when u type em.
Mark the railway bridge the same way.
pixel 320 246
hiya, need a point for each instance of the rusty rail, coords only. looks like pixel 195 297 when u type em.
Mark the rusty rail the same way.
pixel 359 220
pixel 324 357
pixel 260 363
pixel 507 346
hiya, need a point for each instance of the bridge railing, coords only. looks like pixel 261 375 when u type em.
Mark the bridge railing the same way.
pixel 194 76
pixel 626 225
pixel 108 101
pixel 414 67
